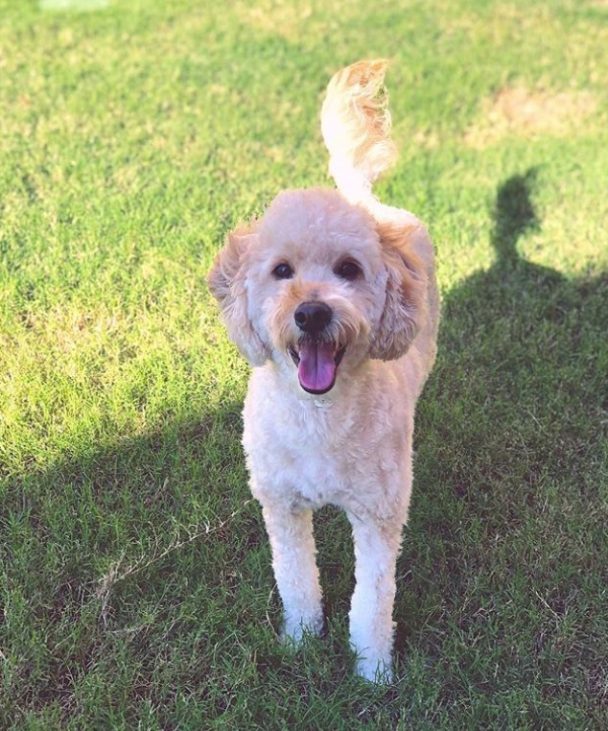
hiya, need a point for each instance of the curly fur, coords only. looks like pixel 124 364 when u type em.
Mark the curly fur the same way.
pixel 352 444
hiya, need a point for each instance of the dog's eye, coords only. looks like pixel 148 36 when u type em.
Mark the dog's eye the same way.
pixel 282 271
pixel 348 269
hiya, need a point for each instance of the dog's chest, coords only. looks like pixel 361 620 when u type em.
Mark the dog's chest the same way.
pixel 313 453
pixel 319 458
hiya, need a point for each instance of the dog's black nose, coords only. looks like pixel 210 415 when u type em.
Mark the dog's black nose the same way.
pixel 312 317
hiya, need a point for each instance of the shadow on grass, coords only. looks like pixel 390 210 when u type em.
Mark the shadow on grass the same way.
pixel 114 560
pixel 504 561
pixel 504 558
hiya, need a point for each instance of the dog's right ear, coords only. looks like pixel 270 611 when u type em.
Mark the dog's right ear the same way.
pixel 227 282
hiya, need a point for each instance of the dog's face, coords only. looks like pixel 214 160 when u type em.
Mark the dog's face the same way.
pixel 318 287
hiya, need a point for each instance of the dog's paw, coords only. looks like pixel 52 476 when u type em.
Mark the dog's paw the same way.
pixel 295 631
pixel 374 670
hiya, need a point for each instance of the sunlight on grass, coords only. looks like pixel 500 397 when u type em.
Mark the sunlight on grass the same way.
pixel 73 4
pixel 132 140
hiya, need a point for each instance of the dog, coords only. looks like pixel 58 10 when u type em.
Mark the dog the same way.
pixel 331 297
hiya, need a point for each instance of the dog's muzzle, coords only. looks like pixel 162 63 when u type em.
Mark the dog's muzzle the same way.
pixel 317 358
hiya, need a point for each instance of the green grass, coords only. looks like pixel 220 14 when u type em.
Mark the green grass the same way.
pixel 135 580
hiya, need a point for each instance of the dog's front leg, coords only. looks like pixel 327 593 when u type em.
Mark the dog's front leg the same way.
pixel 371 614
pixel 295 569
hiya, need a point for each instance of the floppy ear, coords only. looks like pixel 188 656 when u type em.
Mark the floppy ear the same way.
pixel 227 282
pixel 405 301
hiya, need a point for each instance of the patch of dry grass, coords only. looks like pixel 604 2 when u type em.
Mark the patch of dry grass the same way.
pixel 522 112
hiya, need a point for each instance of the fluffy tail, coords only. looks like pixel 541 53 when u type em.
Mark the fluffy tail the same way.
pixel 356 126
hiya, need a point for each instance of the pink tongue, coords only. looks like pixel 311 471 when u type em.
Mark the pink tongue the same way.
pixel 317 367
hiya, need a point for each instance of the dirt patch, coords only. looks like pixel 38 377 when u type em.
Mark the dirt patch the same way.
pixel 523 112
pixel 283 19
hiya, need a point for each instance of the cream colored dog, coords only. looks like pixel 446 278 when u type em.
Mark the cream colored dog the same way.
pixel 331 296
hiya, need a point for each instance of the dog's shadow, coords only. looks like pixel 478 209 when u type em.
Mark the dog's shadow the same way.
pixel 504 432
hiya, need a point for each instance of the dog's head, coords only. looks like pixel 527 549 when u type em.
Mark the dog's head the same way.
pixel 318 286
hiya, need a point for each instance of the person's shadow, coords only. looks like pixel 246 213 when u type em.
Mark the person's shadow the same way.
pixel 510 469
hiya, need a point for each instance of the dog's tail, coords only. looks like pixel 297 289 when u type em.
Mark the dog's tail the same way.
pixel 356 126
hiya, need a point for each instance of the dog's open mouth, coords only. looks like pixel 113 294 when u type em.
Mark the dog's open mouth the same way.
pixel 317 364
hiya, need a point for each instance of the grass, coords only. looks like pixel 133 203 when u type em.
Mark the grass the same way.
pixel 135 578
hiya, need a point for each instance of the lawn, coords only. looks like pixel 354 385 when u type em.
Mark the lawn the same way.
pixel 135 578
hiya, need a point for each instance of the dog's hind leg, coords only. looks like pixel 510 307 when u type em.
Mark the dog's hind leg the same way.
pixel 371 614
pixel 295 569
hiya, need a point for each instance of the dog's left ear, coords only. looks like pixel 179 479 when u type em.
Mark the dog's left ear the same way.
pixel 227 282
pixel 406 287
